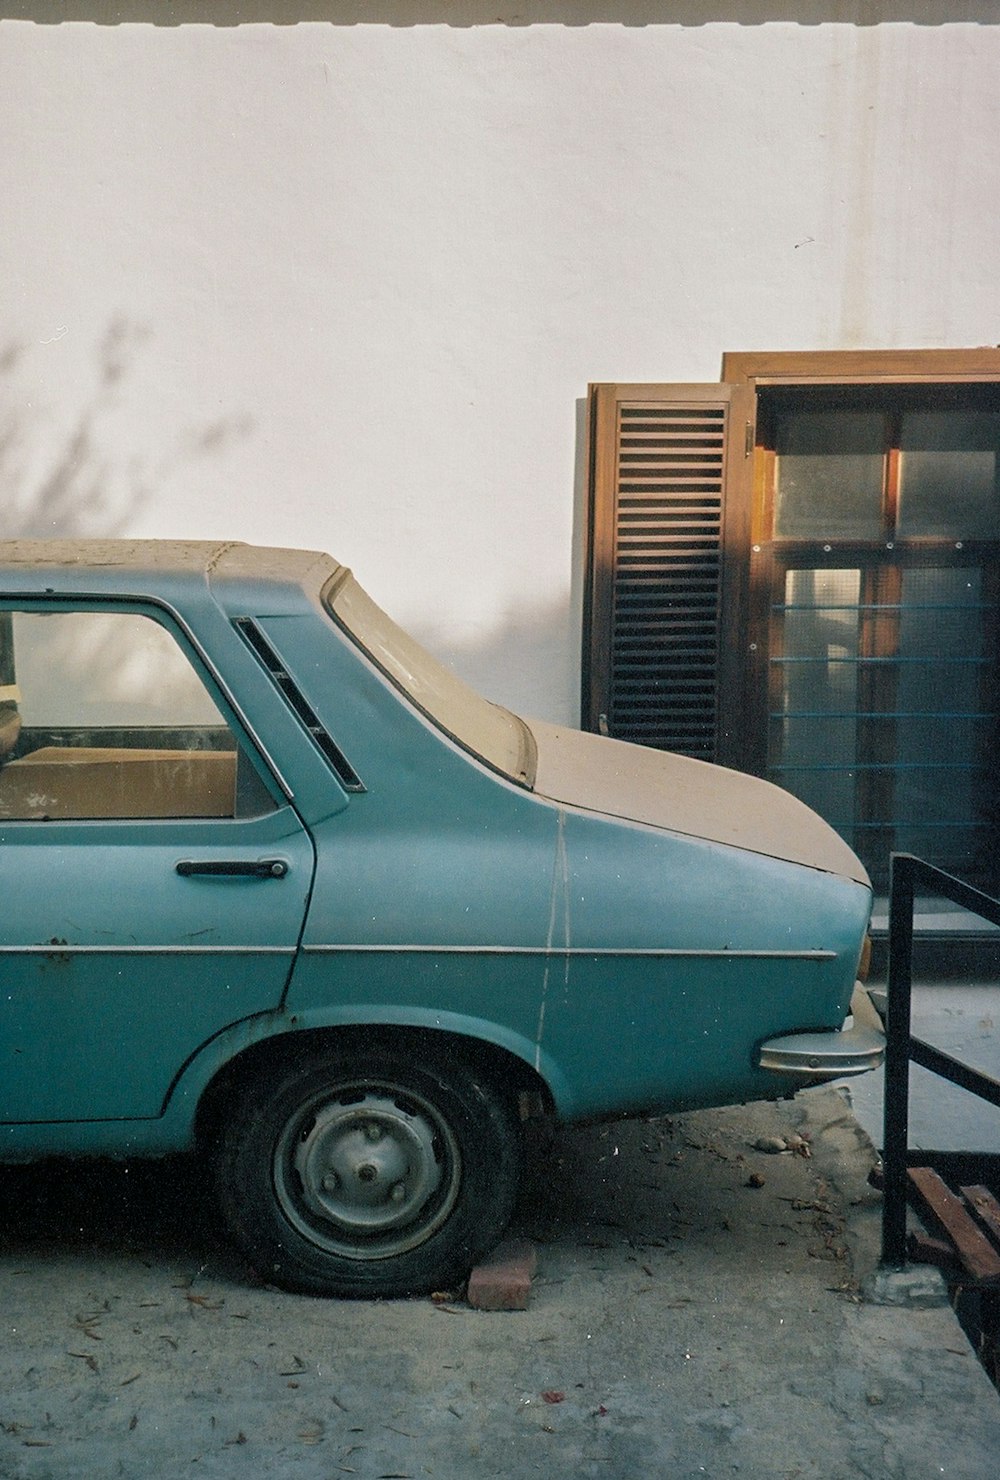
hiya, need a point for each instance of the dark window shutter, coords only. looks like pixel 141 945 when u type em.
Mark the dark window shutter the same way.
pixel 652 645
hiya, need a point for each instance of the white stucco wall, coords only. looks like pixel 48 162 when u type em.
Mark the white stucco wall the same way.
pixel 357 277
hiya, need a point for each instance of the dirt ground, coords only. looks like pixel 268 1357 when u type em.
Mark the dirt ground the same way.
pixel 695 1312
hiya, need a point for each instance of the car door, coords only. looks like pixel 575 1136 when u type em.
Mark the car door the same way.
pixel 153 878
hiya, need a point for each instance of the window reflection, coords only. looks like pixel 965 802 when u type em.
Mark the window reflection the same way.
pixel 948 475
pixel 830 468
pixel 814 738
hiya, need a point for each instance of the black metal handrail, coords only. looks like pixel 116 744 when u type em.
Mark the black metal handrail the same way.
pixel 907 874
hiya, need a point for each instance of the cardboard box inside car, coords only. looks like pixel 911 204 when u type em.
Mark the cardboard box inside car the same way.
pixel 64 782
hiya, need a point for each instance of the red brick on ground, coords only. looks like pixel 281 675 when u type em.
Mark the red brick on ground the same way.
pixel 503 1281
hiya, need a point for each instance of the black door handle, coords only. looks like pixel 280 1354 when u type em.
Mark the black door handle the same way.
pixel 259 868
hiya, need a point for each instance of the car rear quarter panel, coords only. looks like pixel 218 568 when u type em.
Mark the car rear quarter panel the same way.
pixel 682 955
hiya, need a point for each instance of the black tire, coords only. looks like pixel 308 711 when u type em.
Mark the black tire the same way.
pixel 363 1172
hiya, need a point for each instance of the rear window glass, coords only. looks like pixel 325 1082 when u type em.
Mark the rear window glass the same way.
pixel 488 730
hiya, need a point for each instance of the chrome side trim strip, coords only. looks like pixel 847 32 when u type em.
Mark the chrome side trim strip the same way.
pixel 67 948
pixel 583 951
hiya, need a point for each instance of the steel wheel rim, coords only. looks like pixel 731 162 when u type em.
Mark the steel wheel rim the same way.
pixel 367 1171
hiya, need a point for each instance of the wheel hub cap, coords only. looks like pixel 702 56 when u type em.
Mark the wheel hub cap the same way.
pixel 370 1174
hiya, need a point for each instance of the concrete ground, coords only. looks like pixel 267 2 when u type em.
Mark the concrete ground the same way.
pixel 962 1018
pixel 696 1312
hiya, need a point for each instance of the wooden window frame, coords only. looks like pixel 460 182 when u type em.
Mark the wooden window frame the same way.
pixel 753 573
pixel 745 557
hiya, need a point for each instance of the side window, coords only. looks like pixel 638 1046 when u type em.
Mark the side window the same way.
pixel 102 715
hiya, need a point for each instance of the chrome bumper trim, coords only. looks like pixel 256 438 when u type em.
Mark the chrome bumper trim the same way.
pixel 854 1049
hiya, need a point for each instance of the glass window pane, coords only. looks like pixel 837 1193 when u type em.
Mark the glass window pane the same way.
pixel 114 722
pixel 943 784
pixel 813 741
pixel 488 730
pixel 948 475
pixel 830 469
pixel 105 668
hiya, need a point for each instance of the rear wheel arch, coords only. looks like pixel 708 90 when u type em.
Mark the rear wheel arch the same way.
pixel 509 1075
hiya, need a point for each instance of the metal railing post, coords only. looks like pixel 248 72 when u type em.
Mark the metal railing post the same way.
pixel 897 1059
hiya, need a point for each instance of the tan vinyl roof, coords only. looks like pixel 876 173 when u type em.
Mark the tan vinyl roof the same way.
pixel 225 558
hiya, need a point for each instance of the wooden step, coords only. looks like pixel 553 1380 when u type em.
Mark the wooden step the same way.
pixel 986 1207
pixel 974 1248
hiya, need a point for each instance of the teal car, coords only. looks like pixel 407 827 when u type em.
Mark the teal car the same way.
pixel 278 887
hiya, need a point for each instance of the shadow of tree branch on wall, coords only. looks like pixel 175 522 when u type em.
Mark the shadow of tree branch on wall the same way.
pixel 84 485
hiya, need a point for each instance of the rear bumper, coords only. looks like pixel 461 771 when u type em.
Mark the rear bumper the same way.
pixel 854 1049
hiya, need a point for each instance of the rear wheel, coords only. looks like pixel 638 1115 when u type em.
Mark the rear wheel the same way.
pixel 368 1173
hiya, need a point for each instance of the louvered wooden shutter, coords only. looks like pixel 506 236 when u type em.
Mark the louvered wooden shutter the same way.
pixel 659 458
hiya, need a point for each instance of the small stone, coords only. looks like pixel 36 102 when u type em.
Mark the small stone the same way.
pixel 918 1288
